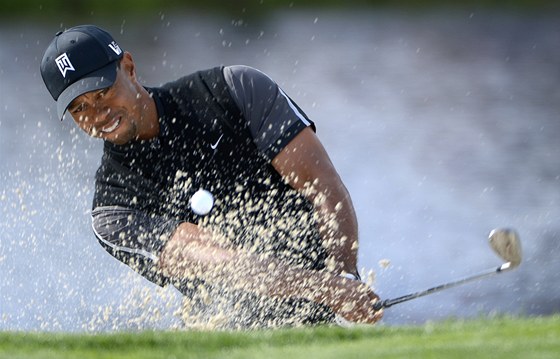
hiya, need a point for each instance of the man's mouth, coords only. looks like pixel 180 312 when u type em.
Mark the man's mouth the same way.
pixel 116 123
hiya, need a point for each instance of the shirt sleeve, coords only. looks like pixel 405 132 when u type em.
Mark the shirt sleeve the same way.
pixel 272 117
pixel 134 238
pixel 132 231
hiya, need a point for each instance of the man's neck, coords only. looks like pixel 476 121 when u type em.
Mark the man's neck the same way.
pixel 149 122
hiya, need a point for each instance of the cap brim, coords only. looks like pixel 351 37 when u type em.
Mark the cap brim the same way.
pixel 96 80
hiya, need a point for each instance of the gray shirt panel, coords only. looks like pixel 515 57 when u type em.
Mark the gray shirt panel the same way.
pixel 272 117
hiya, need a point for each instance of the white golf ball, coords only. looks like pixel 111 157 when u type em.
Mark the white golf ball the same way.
pixel 202 202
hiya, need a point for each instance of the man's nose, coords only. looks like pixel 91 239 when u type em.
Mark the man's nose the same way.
pixel 101 112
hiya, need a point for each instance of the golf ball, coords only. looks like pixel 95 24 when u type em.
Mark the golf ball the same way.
pixel 202 202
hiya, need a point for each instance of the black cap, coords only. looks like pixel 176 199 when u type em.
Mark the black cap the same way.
pixel 79 60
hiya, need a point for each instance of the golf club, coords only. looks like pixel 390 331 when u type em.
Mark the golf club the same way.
pixel 505 242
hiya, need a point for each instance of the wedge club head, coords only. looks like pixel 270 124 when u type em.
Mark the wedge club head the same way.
pixel 505 242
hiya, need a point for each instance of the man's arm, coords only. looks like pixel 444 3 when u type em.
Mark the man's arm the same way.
pixel 193 253
pixel 305 165
pixel 282 132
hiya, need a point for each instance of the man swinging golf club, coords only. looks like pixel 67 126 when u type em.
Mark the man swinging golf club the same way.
pixel 215 183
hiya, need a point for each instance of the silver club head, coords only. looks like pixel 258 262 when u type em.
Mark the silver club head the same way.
pixel 505 242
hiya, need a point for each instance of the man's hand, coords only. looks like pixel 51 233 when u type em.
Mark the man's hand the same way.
pixel 359 308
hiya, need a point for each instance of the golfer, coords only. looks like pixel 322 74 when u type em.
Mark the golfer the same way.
pixel 215 183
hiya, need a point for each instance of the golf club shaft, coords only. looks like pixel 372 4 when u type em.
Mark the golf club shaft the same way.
pixel 390 302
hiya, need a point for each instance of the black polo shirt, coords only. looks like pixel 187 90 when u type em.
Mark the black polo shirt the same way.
pixel 219 131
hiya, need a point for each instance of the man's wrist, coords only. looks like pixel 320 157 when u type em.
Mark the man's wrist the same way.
pixel 352 276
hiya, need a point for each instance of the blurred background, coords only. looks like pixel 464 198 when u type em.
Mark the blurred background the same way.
pixel 442 120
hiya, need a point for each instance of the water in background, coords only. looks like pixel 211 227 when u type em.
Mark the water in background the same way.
pixel 443 125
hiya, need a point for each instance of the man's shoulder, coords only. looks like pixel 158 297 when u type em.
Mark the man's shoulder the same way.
pixel 243 70
pixel 189 79
pixel 246 76
pixel 204 89
pixel 214 79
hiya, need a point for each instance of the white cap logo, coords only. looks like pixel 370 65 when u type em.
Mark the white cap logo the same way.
pixel 115 47
pixel 64 64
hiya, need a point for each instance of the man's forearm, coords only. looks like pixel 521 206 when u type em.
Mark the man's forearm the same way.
pixel 341 234
pixel 305 166
pixel 338 225
pixel 188 257
pixel 243 271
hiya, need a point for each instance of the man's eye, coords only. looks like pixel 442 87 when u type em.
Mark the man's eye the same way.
pixel 103 92
pixel 79 108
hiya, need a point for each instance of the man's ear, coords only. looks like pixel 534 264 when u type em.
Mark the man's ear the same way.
pixel 127 65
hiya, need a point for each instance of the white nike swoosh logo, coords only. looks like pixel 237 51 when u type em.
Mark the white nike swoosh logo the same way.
pixel 215 145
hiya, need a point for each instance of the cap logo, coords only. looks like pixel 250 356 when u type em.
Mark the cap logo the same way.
pixel 64 64
pixel 115 47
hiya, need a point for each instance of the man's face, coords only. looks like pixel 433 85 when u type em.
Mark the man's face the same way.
pixel 111 113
